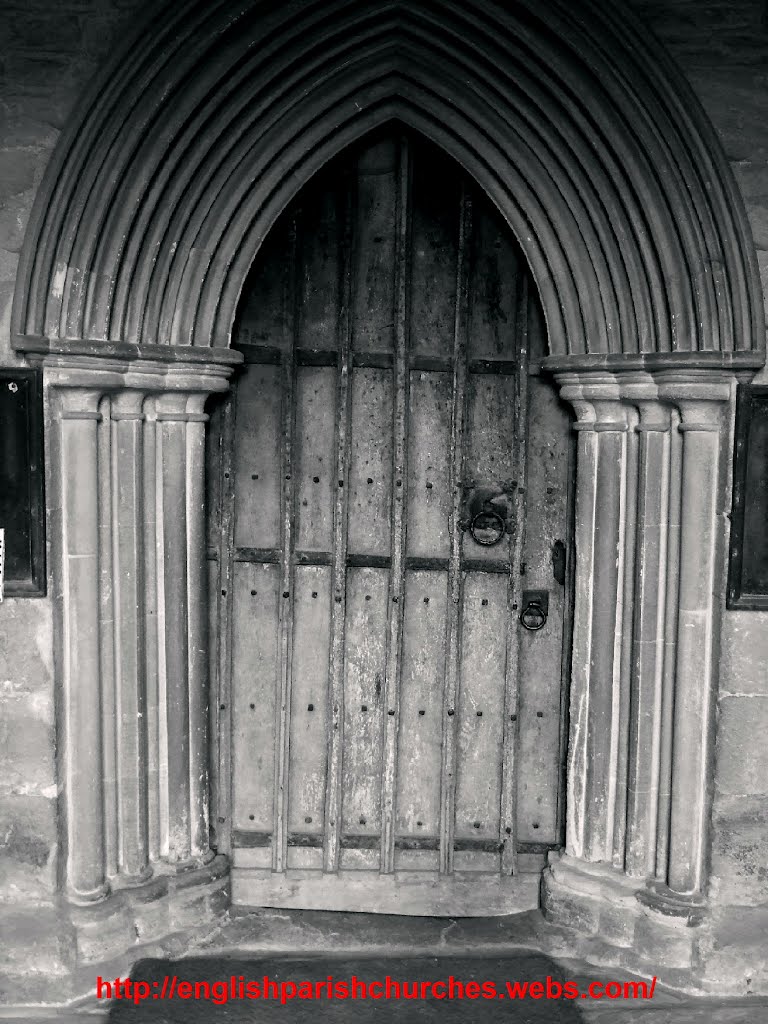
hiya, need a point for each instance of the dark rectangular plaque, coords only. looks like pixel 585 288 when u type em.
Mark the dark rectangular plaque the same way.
pixel 748 563
pixel 22 504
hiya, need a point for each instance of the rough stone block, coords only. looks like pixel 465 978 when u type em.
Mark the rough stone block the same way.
pixel 659 941
pixel 26 648
pixel 740 850
pixel 198 904
pixel 570 909
pixel 734 98
pixel 47 107
pixel 6 305
pixel 14 214
pixel 744 651
pixel 742 753
pixel 54 29
pixel 104 930
pixel 27 828
pixel 734 952
pixel 18 171
pixel 762 263
pixel 33 71
pixel 19 129
pixel 9 265
pixel 41 941
pixel 617 923
pixel 757 211
pixel 26 752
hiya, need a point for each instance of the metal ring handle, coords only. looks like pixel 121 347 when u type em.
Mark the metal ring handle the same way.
pixel 487 528
pixel 533 616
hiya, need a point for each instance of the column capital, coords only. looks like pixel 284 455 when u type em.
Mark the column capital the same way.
pixel 596 400
pixel 127 405
pixel 108 375
pixel 80 403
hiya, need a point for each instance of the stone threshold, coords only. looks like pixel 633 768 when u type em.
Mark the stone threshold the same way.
pixel 303 934
pixel 297 933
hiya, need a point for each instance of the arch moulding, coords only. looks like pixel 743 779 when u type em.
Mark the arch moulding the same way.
pixel 158 196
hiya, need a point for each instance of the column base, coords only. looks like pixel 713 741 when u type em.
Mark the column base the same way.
pixel 619 921
pixel 169 902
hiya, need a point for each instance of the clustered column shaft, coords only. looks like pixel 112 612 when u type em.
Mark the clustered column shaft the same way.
pixel 647 506
pixel 127 457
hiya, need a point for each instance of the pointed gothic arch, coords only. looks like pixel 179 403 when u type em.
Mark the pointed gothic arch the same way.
pixel 587 138
pixel 161 190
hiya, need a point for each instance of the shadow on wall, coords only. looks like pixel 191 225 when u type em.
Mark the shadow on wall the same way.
pixel 304 989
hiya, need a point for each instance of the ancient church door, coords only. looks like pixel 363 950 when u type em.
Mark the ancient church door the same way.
pixel 377 491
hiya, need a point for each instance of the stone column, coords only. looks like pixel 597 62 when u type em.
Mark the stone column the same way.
pixel 130 664
pixel 595 696
pixel 182 625
pixel 648 647
pixel 649 768
pixel 128 514
pixel 75 474
pixel 700 405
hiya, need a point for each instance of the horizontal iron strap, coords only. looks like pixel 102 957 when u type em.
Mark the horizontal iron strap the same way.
pixel 497 565
pixel 264 354
pixel 244 840
pixel 537 847
pixel 506 367
pixel 272 556
pixel 269 355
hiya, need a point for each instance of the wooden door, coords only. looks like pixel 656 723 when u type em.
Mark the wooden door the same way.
pixel 372 555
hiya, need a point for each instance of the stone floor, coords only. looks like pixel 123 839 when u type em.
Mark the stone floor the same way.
pixel 489 947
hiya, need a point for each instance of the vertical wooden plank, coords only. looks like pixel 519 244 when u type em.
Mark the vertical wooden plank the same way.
pixel 316 476
pixel 540 653
pixel 495 277
pixel 481 704
pixel 264 319
pixel 336 697
pixel 364 668
pixel 287 538
pixel 434 237
pixel 320 284
pixel 399 503
pixel 421 709
pixel 374 253
pixel 491 450
pixel 255 676
pixel 429 492
pixel 370 462
pixel 257 457
pixel 508 817
pixel 453 620
pixel 309 699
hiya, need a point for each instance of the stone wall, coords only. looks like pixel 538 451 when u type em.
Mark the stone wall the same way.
pixel 48 53
pixel 722 45
pixel 50 49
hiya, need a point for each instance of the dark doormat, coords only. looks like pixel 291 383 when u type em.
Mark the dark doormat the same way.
pixel 525 988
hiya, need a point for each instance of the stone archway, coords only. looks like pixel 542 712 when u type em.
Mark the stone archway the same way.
pixel 153 208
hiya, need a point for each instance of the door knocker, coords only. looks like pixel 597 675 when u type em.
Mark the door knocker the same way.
pixel 485 512
pixel 535 609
